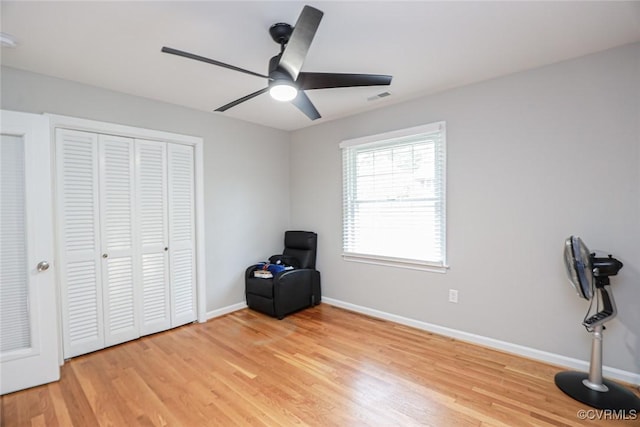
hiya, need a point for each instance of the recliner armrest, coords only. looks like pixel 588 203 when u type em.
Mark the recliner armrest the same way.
pixel 292 290
pixel 295 274
pixel 249 272
pixel 300 281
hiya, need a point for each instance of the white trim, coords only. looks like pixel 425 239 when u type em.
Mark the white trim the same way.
pixel 74 123
pixel 383 137
pixel 520 350
pixel 395 262
pixel 226 310
pixel 59 121
pixel 201 278
pixel 445 149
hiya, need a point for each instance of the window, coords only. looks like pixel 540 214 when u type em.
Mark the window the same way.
pixel 394 198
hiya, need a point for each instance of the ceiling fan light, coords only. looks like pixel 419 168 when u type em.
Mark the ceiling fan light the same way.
pixel 283 91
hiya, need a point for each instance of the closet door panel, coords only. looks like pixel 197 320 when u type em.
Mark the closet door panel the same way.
pixel 117 238
pixel 78 241
pixel 181 234
pixel 151 198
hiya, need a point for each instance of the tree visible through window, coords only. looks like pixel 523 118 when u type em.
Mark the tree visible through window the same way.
pixel 394 196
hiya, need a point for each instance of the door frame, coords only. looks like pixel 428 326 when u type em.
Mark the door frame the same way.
pixel 67 122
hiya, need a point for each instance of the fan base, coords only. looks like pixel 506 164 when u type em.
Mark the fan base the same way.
pixel 281 32
pixel 617 398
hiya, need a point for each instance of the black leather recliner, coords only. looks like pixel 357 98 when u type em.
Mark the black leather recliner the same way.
pixel 291 290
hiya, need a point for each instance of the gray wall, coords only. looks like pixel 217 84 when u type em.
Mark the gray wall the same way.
pixel 532 158
pixel 244 218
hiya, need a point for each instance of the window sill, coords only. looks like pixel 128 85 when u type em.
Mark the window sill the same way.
pixel 396 262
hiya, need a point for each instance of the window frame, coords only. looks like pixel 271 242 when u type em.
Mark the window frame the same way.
pixel 348 186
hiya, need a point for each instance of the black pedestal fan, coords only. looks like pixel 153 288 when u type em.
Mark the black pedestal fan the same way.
pixel 589 275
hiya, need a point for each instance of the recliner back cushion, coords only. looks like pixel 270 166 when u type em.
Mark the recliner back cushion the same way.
pixel 302 245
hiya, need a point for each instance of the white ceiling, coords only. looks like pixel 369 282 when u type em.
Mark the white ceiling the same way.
pixel 426 46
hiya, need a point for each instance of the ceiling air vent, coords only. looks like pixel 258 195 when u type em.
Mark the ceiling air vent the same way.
pixel 378 96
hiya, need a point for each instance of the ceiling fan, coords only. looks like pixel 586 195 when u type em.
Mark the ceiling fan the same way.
pixel 286 81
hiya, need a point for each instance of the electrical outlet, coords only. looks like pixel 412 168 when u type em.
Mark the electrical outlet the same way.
pixel 453 295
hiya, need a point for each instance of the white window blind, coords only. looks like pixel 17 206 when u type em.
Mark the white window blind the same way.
pixel 394 197
pixel 15 327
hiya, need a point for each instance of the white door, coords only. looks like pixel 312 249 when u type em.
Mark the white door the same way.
pixel 153 238
pixel 119 291
pixel 28 327
pixel 182 239
pixel 79 241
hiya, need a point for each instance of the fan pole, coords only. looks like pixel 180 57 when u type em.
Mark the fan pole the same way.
pixel 594 382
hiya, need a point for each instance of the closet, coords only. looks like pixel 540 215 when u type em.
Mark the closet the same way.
pixel 125 210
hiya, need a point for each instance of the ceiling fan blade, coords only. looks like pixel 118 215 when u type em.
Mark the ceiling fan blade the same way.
pixel 210 61
pixel 241 100
pixel 333 80
pixel 296 51
pixel 305 105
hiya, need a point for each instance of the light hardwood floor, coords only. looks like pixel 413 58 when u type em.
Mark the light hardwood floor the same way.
pixel 324 366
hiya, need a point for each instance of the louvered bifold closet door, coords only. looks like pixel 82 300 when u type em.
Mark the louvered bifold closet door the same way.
pixel 181 234
pixel 78 241
pixel 119 273
pixel 151 208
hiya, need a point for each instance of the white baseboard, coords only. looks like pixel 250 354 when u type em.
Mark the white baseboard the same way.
pixel 532 353
pixel 226 310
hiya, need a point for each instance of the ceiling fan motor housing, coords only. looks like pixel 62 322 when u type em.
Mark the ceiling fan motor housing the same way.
pixel 280 33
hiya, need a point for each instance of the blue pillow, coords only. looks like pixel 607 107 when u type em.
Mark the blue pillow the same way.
pixel 275 268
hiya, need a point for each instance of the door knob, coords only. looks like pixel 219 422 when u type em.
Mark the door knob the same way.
pixel 43 266
pixel 104 255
